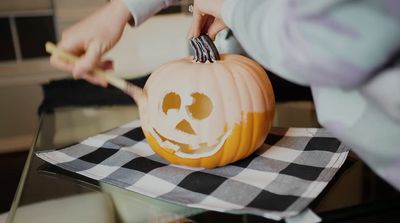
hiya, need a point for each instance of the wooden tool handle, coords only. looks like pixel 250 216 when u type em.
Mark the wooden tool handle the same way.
pixel 110 77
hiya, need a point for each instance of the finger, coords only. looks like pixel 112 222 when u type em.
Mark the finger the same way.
pixel 189 34
pixel 206 25
pixel 61 64
pixel 89 60
pixel 93 79
pixel 202 26
pixel 71 46
pixel 198 22
pixel 106 65
pixel 214 28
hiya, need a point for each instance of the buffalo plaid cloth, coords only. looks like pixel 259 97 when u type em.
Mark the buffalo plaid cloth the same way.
pixel 279 180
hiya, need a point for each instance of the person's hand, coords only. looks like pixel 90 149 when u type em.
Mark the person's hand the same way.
pixel 207 18
pixel 90 39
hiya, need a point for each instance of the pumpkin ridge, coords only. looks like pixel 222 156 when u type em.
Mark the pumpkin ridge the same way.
pixel 226 154
pixel 239 144
pixel 256 79
pixel 255 134
pixel 267 89
pixel 252 118
pixel 262 81
pixel 256 73
pixel 217 77
pixel 249 118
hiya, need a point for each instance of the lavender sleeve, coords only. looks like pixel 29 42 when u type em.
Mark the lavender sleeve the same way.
pixel 141 10
pixel 333 43
pixel 343 51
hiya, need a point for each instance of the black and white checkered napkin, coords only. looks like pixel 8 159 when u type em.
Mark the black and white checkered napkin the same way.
pixel 278 181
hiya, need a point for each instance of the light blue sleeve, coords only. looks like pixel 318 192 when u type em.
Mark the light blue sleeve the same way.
pixel 141 10
pixel 312 42
pixel 346 51
pixel 362 125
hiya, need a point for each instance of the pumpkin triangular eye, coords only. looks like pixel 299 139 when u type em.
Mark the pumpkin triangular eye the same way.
pixel 201 107
pixel 171 101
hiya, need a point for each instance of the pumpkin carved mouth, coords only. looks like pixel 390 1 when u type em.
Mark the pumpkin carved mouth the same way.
pixel 187 151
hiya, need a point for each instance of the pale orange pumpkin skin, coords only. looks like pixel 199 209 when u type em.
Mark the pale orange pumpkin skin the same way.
pixel 256 111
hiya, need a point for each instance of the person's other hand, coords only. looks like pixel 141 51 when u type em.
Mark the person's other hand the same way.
pixel 90 39
pixel 207 18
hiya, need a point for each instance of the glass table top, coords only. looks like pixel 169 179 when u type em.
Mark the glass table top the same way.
pixel 47 193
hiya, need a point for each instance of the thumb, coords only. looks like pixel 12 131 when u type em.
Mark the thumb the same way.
pixel 89 60
pixel 215 27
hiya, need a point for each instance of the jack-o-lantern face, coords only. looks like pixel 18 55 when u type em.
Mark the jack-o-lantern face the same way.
pixel 209 114
pixel 183 116
pixel 199 109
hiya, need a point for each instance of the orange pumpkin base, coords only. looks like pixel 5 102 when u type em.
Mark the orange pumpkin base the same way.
pixel 245 138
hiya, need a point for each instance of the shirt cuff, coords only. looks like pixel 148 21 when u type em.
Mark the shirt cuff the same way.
pixel 227 11
pixel 141 10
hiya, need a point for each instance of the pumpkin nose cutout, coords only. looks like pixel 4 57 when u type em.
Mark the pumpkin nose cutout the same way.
pixel 185 126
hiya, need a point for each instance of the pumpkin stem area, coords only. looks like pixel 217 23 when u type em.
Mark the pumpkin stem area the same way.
pixel 204 49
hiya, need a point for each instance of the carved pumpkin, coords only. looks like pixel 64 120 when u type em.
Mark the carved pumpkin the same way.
pixel 207 114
